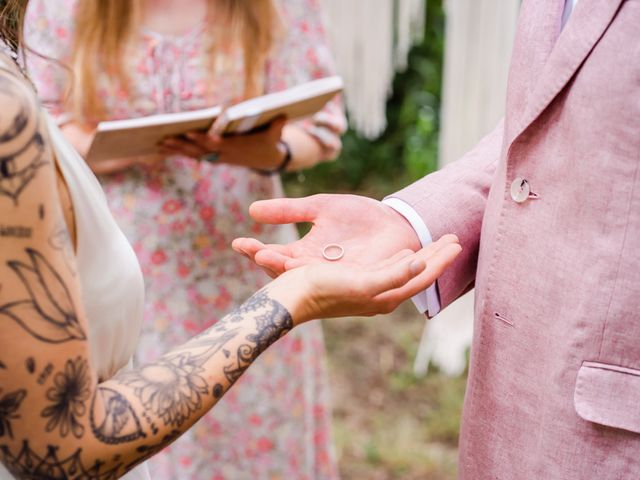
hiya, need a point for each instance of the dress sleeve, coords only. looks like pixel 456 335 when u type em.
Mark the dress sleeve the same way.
pixel 302 55
pixel 48 37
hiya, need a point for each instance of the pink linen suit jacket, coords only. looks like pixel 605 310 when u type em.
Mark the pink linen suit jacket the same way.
pixel 554 380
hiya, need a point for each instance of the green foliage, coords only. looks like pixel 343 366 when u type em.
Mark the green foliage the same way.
pixel 408 148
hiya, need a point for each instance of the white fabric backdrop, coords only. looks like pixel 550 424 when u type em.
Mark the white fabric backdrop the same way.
pixel 370 41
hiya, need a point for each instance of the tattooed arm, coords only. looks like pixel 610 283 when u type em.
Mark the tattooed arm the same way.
pixel 56 419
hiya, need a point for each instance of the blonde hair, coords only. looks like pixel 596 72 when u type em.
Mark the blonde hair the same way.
pixel 104 29
pixel 11 19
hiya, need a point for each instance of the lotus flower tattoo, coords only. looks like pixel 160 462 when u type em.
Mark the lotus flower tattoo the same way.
pixel 49 314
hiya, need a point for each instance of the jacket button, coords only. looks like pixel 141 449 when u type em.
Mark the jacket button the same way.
pixel 520 190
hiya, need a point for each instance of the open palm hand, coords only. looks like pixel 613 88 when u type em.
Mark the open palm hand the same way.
pixel 368 230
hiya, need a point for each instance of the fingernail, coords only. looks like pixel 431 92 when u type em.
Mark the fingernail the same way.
pixel 417 266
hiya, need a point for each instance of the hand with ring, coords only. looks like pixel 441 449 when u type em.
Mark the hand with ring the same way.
pixel 335 289
pixel 358 230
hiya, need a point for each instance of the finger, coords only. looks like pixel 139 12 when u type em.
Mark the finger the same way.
pixel 220 123
pixel 270 272
pixel 437 264
pixel 279 121
pixel 393 259
pixel 247 246
pixel 433 247
pixel 250 247
pixel 272 260
pixel 393 276
pixel 206 141
pixel 448 238
pixel 185 148
pixel 276 126
pixel 284 210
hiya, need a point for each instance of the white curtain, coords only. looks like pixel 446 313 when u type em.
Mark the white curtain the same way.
pixel 370 41
pixel 479 37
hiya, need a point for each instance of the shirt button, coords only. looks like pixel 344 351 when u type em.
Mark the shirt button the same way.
pixel 520 190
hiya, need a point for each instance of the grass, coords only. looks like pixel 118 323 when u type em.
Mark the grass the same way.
pixel 389 424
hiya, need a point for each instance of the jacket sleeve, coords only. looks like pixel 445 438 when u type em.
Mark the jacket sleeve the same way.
pixel 453 200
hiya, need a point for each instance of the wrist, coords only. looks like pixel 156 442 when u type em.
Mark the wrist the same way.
pixel 286 157
pixel 406 230
pixel 290 290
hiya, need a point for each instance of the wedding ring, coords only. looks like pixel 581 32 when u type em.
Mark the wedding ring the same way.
pixel 333 252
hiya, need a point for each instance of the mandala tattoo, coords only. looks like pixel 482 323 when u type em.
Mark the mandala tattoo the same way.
pixel 257 302
pixel 22 143
pixel 271 325
pixel 174 387
pixel 171 388
pixel 69 395
pixel 9 405
pixel 113 419
pixel 29 464
pixel 49 315
pixel 148 451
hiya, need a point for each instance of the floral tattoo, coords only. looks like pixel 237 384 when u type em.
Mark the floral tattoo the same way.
pixel 9 405
pixel 49 314
pixel 69 395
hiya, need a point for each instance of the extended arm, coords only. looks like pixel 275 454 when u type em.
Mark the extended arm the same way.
pixel 57 420
pixel 452 200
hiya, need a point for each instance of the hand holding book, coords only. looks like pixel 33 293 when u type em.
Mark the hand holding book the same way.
pixel 259 150
pixel 145 135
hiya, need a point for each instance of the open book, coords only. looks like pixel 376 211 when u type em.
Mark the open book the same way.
pixel 142 136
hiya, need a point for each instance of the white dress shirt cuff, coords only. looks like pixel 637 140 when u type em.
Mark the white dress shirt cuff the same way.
pixel 428 301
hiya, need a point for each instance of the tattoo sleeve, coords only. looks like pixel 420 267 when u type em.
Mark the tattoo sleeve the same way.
pixel 175 391
pixel 139 411
pixel 56 420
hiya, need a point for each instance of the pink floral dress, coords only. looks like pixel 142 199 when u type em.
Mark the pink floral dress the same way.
pixel 181 217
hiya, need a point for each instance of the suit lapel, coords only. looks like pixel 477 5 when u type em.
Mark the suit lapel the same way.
pixel 584 29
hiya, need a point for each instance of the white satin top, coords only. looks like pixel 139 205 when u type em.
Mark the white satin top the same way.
pixel 110 278
pixel 108 270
